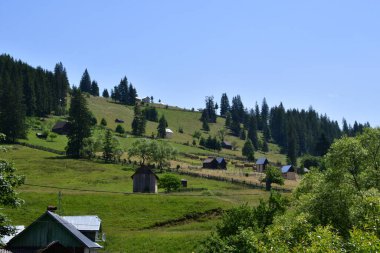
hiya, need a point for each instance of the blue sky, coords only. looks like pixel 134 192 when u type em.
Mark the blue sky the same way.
pixel 320 53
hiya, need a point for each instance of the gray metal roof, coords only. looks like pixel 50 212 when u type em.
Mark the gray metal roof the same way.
pixel 286 168
pixel 81 237
pixel 219 159
pixel 85 223
pixel 262 161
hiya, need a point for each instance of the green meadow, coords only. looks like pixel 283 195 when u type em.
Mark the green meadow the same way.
pixel 94 188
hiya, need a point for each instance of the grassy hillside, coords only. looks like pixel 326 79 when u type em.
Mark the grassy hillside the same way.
pixel 105 190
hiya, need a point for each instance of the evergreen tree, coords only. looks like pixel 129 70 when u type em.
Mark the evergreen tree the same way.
pixel 248 150
pixel 79 124
pixel 265 146
pixel 12 108
pixel 205 125
pixel 105 93
pixel 108 147
pixel 103 122
pixel 162 125
pixel 85 82
pixel 123 91
pixel 132 95
pixel 292 147
pixel 224 105
pixel 322 145
pixel 209 113
pixel 252 132
pixel 278 125
pixel 237 110
pixel 243 136
pixel 94 89
pixel 61 86
pixel 228 120
pixel 264 115
pixel 258 117
pixel 139 122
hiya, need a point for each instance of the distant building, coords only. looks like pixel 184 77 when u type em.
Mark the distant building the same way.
pixel 169 133
pixel 61 127
pixel 146 100
pixel 288 172
pixel 144 180
pixel 52 233
pixel 215 163
pixel 119 121
pixel 226 145
pixel 261 164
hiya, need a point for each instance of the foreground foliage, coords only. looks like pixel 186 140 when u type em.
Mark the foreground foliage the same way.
pixel 335 210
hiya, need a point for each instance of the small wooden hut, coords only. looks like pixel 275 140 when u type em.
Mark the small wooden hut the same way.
pixel 215 163
pixel 288 172
pixel 144 180
pixel 261 164
pixel 61 127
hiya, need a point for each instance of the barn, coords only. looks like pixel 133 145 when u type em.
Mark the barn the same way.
pixel 61 127
pixel 144 180
pixel 49 231
pixel 261 164
pixel 215 163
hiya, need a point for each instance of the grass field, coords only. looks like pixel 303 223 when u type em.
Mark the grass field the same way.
pixel 177 118
pixel 125 216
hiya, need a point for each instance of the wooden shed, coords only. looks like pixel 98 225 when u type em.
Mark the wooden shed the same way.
pixel 226 145
pixel 51 228
pixel 261 164
pixel 215 163
pixel 144 180
pixel 61 127
pixel 288 172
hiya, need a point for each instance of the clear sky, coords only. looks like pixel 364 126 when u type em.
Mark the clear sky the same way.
pixel 323 53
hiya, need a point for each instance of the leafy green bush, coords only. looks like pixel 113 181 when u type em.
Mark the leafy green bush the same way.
pixel 169 182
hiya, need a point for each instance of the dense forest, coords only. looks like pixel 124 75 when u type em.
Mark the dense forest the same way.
pixel 297 132
pixel 28 91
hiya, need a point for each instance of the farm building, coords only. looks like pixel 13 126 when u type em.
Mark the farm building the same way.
pixel 226 145
pixel 119 121
pixel 288 172
pixel 146 100
pixel 261 164
pixel 89 225
pixel 169 133
pixel 215 163
pixel 61 127
pixel 52 233
pixel 144 180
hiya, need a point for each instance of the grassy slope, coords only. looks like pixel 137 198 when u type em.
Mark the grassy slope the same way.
pixel 125 216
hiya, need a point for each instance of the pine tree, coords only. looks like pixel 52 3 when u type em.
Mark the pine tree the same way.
pixel 264 115
pixel 132 94
pixel 105 93
pixel 161 129
pixel 224 105
pixel 61 86
pixel 85 82
pixel 292 147
pixel 265 146
pixel 138 123
pixel 108 147
pixel 12 108
pixel 94 89
pixel 228 120
pixel 123 91
pixel 252 132
pixel 209 113
pixel 248 150
pixel 79 124
pixel 205 125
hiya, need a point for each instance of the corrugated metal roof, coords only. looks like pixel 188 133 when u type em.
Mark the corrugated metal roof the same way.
pixel 208 160
pixel 5 239
pixel 144 170
pixel 81 237
pixel 219 159
pixel 286 168
pixel 85 223
pixel 261 161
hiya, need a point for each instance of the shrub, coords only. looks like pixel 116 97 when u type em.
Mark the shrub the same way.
pixel 169 182
pixel 119 129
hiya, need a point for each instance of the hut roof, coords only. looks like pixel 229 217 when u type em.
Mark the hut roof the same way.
pixel 85 223
pixel 60 125
pixel 262 161
pixel 145 171
pixel 168 130
pixel 208 160
pixel 286 168
pixel 220 159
